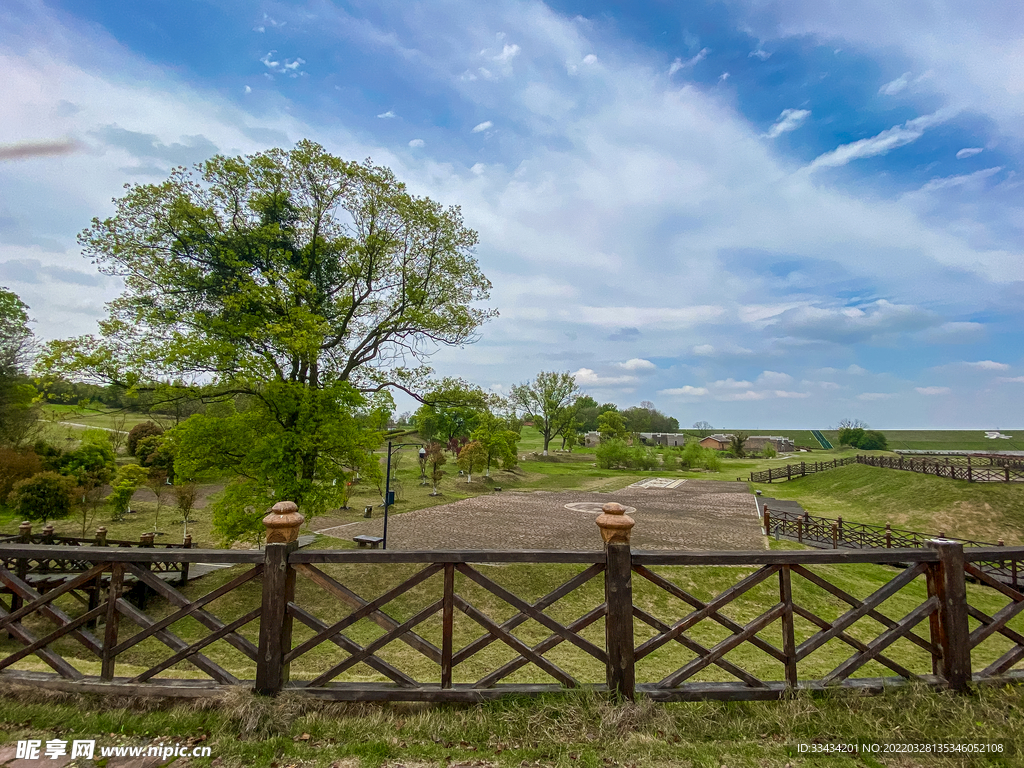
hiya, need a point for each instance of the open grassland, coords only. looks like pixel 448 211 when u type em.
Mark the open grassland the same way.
pixel 863 494
pixel 944 439
pixel 575 729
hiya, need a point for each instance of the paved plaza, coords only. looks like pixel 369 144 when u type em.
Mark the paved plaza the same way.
pixel 695 515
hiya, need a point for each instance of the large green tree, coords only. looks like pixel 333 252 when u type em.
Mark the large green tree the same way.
pixel 18 416
pixel 550 400
pixel 290 283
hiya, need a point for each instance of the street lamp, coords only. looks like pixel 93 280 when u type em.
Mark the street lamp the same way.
pixel 389 496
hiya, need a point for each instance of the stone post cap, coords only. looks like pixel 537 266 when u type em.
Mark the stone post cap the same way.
pixel 283 523
pixel 614 523
pixel 25 526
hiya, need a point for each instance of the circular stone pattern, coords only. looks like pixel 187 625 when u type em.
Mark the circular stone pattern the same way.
pixel 593 507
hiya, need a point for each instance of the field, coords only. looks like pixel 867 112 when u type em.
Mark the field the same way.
pixel 944 440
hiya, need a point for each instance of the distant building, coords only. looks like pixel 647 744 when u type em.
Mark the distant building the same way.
pixel 759 442
pixel 663 438
pixel 717 442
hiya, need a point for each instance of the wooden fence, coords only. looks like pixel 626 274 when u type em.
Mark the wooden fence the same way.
pixel 1002 472
pixel 836 533
pixel 645 627
pixel 790 471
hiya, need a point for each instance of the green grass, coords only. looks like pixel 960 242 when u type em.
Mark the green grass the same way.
pixel 863 494
pixel 944 440
pixel 560 731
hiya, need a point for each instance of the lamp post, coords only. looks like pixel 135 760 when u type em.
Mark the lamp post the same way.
pixel 389 497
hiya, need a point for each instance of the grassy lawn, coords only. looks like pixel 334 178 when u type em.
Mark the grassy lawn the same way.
pixel 863 494
pixel 944 439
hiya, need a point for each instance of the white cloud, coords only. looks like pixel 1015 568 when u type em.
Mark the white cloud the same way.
pixel 686 391
pixel 587 377
pixel 417 143
pixel 636 364
pixel 290 67
pixel 1014 380
pixel 387 115
pixel 932 390
pixel 789 120
pixel 790 395
pixel 508 52
pixel 759 53
pixel 703 350
pixel 723 77
pixel 590 59
pixel 856 370
pixel 478 169
pixel 987 365
pixel 774 378
pixel 880 144
pixel 680 64
pixel 487 124
pixel 247 89
pixel 969 152
pixel 895 86
pixel 731 383
pixel 868 396
pixel 741 396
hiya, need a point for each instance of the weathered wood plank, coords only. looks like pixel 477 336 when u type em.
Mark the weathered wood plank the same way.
pixel 780 557
pixel 49 596
pixel 24 591
pixel 548 600
pixel 130 555
pixel 376 645
pixel 516 644
pixel 899 669
pixel 113 619
pixel 539 616
pixel 697 616
pixel 788 634
pixel 197 646
pixel 366 609
pixel 952 602
pixel 342 556
pixel 725 621
pixel 618 624
pixel 189 608
pixel 350 646
pixel 447 617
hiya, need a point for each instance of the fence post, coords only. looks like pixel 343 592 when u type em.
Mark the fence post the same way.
pixel 620 673
pixel 888 537
pixel 282 526
pixel 839 526
pixel 800 528
pixel 835 536
pixel 950 586
pixel 186 543
pixel 767 521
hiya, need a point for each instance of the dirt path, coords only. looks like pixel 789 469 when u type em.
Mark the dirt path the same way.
pixel 698 515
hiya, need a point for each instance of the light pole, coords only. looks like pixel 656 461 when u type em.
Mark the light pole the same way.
pixel 389 497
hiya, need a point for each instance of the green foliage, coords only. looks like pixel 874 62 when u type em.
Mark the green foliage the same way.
pixel 693 456
pixel 612 453
pixel 499 440
pixel 141 432
pixel 737 444
pixel 851 436
pixel 44 496
pixel 128 480
pixel 642 457
pixel 611 425
pixel 18 413
pixel 769 451
pixel 157 453
pixel 646 418
pixel 550 400
pixel 873 441
pixel 287 282
pixel 435 460
pixel 452 409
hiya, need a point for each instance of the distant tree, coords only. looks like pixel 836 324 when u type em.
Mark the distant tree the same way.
pixel 851 424
pixel 611 425
pixel 185 496
pixel 451 410
pixel 126 483
pixel 587 411
pixel 45 496
pixel 737 444
pixel 19 414
pixel 156 481
pixel 873 441
pixel 139 432
pixel 549 400
pixel 703 428
pixel 15 465
pixel 435 460
pixel 851 436
pixel 472 458
pixel 157 453
pixel 612 453
pixel 498 440
pixel 91 466
pixel 769 451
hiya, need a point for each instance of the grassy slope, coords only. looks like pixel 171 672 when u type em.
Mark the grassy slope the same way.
pixel 984 511
pixel 945 440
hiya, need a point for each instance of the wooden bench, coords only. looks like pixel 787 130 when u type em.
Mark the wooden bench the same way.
pixel 373 542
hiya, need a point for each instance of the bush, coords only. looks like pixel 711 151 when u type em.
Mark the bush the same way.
pixel 873 441
pixel 612 453
pixel 140 432
pixel 45 496
pixel 641 457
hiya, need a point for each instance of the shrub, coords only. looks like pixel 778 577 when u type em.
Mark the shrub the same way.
pixel 612 453
pixel 140 432
pixel 641 457
pixel 873 441
pixel 45 496
pixel 769 451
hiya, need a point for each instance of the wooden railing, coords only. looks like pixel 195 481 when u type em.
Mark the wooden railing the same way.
pixel 790 471
pixel 1003 472
pixel 446 626
pixel 836 533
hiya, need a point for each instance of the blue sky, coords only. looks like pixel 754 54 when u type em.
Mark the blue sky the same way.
pixel 756 214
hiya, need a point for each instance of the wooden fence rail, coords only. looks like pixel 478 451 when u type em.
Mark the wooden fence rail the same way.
pixel 444 626
pixel 836 533
pixel 802 469
pixel 987 469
